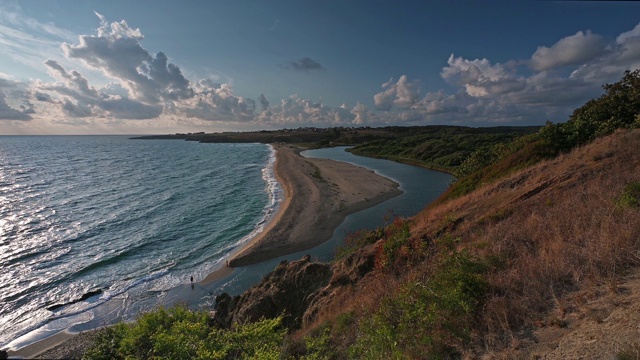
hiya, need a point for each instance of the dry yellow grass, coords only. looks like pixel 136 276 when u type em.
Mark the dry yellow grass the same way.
pixel 556 226
pixel 554 232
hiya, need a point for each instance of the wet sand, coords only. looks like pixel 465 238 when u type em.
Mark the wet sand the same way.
pixel 43 348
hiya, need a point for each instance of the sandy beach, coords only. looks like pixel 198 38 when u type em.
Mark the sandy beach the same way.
pixel 319 194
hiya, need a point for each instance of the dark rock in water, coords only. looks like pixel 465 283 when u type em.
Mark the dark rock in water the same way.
pixel 3 355
pixel 55 307
pixel 90 294
pixel 83 297
pixel 285 291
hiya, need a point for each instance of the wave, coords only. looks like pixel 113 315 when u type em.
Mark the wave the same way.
pixel 106 294
pixel 275 193
pixel 77 312
pixel 99 231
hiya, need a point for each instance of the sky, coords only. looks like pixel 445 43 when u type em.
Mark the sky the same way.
pixel 158 67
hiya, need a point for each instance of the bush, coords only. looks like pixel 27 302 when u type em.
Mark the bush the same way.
pixel 630 197
pixel 397 247
pixel 178 333
pixel 428 317
pixel 617 108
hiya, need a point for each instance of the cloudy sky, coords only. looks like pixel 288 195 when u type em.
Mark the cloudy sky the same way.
pixel 134 67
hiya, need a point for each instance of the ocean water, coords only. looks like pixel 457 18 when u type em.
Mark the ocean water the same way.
pixel 96 229
pixel 104 222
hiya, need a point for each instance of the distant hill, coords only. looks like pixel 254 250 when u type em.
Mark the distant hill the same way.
pixel 437 147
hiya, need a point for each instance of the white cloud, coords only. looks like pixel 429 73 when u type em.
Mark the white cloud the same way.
pixel 143 86
pixel 479 77
pixel 26 41
pixel 14 101
pixel 9 113
pixel 403 94
pixel 213 101
pixel 76 98
pixel 154 92
pixel 263 102
pixel 629 35
pixel 362 116
pixel 623 54
pixel 74 79
pixel 489 93
pixel 439 102
pixel 571 50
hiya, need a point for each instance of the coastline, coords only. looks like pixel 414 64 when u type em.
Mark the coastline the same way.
pixel 318 195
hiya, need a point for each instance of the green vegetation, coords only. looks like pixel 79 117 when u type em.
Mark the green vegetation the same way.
pixel 618 108
pixel 630 196
pixel 318 346
pixel 438 147
pixel 505 159
pixel 397 246
pixel 395 233
pixel 316 172
pixel 434 313
pixel 358 240
pixel 428 315
pixel 431 315
pixel 178 333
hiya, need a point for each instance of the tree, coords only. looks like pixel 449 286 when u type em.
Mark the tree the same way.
pixel 617 108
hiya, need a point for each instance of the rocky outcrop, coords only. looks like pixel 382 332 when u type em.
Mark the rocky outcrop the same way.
pixel 346 272
pixel 297 290
pixel 286 291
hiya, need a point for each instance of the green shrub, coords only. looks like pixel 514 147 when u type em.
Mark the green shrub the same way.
pixel 396 247
pixel 178 333
pixel 630 197
pixel 318 346
pixel 438 147
pixel 617 108
pixel 426 318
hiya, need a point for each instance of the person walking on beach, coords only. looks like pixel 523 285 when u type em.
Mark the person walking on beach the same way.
pixel 192 281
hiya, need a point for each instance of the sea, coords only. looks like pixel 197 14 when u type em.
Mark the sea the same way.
pixel 97 229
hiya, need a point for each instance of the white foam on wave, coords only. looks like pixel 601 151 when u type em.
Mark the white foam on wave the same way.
pixel 151 286
pixel 109 294
pixel 78 313
pixel 276 196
